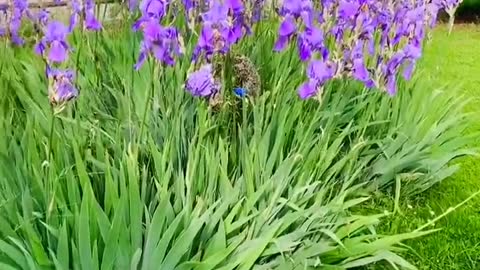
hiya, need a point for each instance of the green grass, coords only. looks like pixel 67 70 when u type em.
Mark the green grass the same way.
pixel 451 61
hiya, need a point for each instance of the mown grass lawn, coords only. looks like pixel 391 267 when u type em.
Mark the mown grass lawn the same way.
pixel 452 62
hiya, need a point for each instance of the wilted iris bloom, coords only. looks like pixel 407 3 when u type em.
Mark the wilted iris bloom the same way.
pixel 163 43
pixel 61 86
pixel 201 83
pixel 318 73
pixel 54 43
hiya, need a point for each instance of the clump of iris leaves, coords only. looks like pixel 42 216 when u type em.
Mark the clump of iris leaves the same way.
pixel 271 184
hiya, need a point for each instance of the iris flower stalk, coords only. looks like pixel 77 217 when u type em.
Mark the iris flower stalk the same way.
pixel 150 96
pixel 61 90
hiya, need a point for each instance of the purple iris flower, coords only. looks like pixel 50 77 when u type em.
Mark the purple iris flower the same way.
pixel 310 41
pixel 411 54
pixel 163 43
pixel 62 88
pixel 391 84
pixel 258 6
pixel 76 6
pixel 239 24
pixel 20 5
pixel 433 10
pixel 91 22
pixel 224 24
pixel 298 8
pixel 359 69
pixel 152 10
pixel 20 9
pixel 215 35
pixel 292 10
pixel 348 9
pixel 201 83
pixel 449 4
pixel 3 11
pixel 318 73
pixel 408 55
pixel 291 7
pixel 188 5
pixel 132 5
pixel 42 17
pixel 288 28
pixel 55 42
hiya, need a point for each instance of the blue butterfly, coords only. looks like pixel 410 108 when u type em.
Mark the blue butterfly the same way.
pixel 240 92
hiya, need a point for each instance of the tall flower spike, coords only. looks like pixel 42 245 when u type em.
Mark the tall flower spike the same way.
pixel 54 43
